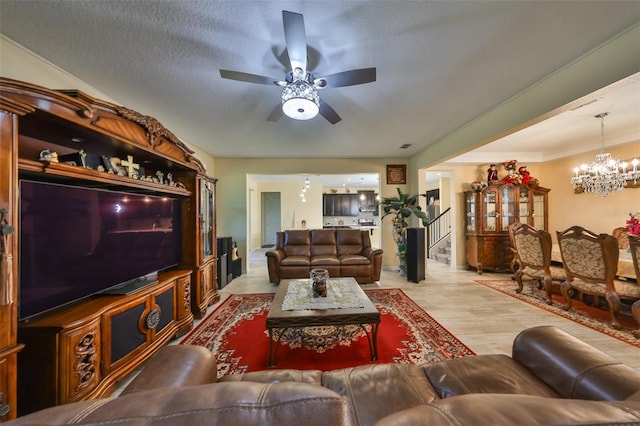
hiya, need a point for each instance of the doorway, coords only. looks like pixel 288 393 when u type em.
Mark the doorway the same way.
pixel 270 218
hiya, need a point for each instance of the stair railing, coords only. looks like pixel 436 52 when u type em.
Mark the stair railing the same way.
pixel 438 229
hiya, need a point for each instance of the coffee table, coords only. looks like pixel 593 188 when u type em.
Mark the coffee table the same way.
pixel 279 320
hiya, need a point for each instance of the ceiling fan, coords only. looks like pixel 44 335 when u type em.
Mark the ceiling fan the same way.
pixel 300 99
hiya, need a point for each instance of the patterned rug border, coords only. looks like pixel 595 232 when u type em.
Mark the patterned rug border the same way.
pixel 625 334
pixel 422 324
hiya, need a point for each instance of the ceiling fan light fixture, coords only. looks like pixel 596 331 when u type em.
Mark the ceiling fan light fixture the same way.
pixel 300 100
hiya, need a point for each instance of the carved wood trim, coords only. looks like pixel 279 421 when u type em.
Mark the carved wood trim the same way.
pixel 86 365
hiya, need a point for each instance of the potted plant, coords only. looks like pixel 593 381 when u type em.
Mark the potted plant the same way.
pixel 401 208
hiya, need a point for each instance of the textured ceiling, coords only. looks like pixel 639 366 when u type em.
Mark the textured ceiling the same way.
pixel 440 64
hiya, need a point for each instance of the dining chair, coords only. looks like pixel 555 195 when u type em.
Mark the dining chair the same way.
pixel 634 245
pixel 533 251
pixel 622 235
pixel 590 262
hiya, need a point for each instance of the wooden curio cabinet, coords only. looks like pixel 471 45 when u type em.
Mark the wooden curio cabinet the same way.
pixel 490 212
pixel 80 349
pixel 205 289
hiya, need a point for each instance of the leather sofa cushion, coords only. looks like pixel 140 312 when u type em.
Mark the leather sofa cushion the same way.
pixel 245 403
pixel 578 369
pixel 176 366
pixel 326 260
pixel 276 376
pixel 484 374
pixel 297 243
pixel 377 390
pixel 349 241
pixel 295 261
pixel 323 242
pixel 491 409
pixel 354 259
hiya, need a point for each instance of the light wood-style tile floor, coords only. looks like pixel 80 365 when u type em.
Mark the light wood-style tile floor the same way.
pixel 485 320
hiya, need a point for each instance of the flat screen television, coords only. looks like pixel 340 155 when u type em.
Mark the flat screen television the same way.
pixel 76 242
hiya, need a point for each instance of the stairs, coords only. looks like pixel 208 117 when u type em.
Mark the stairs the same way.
pixel 442 251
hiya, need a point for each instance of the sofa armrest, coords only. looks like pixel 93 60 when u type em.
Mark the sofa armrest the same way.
pixel 370 252
pixel 500 409
pixel 274 257
pixel 176 366
pixel 573 368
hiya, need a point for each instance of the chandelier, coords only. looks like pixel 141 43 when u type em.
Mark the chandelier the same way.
pixel 300 98
pixel 605 175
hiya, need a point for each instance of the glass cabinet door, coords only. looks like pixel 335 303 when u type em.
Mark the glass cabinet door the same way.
pixel 471 212
pixel 507 207
pixel 206 218
pixel 523 205
pixel 490 211
pixel 538 211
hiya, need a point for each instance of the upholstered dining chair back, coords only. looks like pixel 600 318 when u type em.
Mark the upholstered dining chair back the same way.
pixel 622 235
pixel 634 248
pixel 588 256
pixel 533 251
pixel 590 261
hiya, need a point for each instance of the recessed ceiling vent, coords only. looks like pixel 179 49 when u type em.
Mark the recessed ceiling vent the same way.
pixel 405 146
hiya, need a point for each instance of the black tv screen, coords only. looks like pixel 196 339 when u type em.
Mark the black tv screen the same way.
pixel 76 242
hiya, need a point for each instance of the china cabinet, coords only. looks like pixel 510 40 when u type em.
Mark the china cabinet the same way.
pixel 490 212
pixel 205 275
pixel 81 348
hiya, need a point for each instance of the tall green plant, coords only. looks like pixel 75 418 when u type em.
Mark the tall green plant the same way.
pixel 401 208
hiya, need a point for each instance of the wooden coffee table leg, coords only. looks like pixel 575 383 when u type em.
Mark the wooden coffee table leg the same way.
pixel 273 347
pixel 372 339
pixel 374 336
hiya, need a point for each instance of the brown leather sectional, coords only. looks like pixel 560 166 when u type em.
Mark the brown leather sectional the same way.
pixel 343 252
pixel 551 377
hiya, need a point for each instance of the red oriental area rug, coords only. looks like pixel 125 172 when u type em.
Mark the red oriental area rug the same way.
pixel 236 332
pixel 589 316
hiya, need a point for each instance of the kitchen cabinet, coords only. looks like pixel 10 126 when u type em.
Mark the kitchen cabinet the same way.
pixel 340 204
pixel 490 212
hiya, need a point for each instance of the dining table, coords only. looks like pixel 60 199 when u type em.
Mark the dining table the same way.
pixel 625 262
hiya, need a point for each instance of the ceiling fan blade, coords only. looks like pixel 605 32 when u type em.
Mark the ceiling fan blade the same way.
pixel 347 78
pixel 296 39
pixel 329 113
pixel 249 78
pixel 276 113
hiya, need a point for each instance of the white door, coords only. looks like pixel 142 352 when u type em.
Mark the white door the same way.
pixel 270 217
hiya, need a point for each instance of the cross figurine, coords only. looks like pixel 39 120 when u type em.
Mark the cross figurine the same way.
pixel 130 165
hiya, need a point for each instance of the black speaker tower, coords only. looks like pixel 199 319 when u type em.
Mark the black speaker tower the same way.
pixel 415 254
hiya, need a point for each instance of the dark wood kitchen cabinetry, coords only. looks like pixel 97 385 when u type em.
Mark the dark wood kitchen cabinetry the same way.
pixel 340 204
pixel 490 212
pixel 82 349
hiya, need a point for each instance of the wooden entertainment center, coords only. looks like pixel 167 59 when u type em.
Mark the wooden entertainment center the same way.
pixel 82 349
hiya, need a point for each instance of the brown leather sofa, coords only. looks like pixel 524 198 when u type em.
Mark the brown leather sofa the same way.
pixel 551 378
pixel 343 252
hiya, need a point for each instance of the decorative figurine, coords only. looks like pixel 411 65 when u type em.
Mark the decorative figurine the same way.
pixel 130 166
pixel 492 173
pixel 160 176
pixel 83 158
pixel 525 176
pixel 50 156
